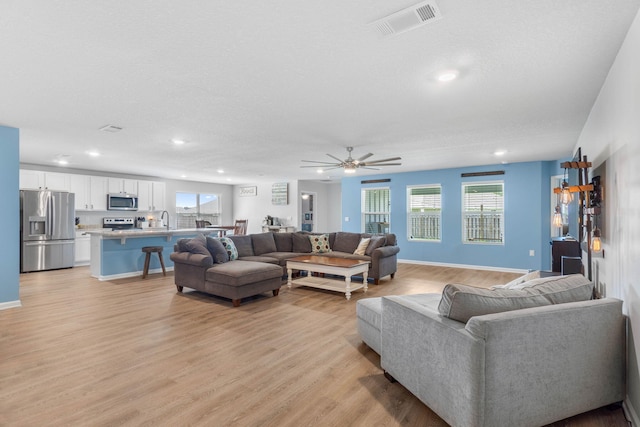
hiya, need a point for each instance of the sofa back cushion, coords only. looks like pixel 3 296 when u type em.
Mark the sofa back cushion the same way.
pixel 263 243
pixel 243 245
pixel 346 242
pixel 284 242
pixel 301 243
pixel 461 302
pixel 217 249
pixel 198 245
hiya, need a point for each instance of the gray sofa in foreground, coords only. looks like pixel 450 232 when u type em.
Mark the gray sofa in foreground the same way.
pixel 542 360
pixel 260 260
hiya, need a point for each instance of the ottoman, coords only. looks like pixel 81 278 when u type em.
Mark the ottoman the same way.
pixel 369 315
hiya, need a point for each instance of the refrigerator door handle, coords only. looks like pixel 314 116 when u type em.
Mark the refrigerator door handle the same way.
pixel 51 209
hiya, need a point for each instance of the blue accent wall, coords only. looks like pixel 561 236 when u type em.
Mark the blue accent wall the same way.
pixel 527 215
pixel 10 213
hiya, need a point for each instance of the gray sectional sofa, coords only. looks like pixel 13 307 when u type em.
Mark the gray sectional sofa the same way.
pixel 528 355
pixel 258 261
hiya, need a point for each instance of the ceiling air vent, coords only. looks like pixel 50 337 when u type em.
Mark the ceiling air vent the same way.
pixel 408 19
pixel 110 128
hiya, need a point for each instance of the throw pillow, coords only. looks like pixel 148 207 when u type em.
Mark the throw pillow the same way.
pixel 319 244
pixel 198 245
pixel 230 247
pixel 375 243
pixel 362 246
pixel 217 249
pixel 529 276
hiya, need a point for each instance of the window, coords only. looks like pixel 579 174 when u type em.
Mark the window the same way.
pixel 376 208
pixel 424 210
pixel 483 212
pixel 193 206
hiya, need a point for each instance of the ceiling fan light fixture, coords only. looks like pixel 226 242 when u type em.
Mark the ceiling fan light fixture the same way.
pixel 349 169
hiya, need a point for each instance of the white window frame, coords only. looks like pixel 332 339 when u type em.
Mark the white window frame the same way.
pixel 430 223
pixel 383 226
pixel 211 217
pixel 490 223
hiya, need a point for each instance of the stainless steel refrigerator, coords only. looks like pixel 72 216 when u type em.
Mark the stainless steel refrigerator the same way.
pixel 47 230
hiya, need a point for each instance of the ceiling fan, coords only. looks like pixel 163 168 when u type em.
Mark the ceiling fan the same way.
pixel 350 164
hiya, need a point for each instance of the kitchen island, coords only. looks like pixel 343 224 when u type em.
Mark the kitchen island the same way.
pixel 118 254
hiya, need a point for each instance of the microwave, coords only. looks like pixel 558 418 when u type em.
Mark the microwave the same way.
pixel 122 202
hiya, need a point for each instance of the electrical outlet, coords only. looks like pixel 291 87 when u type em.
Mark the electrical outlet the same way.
pixel 532 252
pixel 346 219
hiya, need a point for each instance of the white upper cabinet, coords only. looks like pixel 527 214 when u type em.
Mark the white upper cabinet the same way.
pixel 119 185
pixel 91 192
pixel 39 180
pixel 151 196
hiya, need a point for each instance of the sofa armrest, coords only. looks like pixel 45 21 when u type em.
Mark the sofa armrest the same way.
pixel 385 251
pixel 435 358
pixel 547 363
pixel 197 260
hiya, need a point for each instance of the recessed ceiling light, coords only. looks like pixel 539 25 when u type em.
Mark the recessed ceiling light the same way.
pixel 62 162
pixel 93 153
pixel 320 171
pixel 447 76
pixel 499 153
pixel 178 141
pixel 220 170
pixel 228 179
pixel 183 176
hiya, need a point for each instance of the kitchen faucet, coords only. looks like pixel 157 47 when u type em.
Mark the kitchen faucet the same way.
pixel 162 217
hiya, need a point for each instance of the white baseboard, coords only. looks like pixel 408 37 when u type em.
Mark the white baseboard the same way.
pixel 630 413
pixel 10 304
pixel 131 274
pixel 470 267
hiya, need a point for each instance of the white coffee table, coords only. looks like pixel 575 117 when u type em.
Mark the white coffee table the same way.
pixel 329 265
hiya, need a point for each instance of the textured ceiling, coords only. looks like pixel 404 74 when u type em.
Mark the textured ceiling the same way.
pixel 254 87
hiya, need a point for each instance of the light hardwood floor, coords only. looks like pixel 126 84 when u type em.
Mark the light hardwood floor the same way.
pixel 134 352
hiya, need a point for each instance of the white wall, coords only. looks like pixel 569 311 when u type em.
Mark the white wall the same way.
pixel 327 204
pixel 611 140
pixel 256 208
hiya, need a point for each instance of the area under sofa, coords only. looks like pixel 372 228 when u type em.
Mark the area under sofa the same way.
pixel 259 263
pixel 525 366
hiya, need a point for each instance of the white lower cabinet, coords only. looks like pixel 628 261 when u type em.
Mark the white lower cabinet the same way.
pixel 83 249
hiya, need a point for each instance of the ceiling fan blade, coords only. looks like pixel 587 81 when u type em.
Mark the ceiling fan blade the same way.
pixel 390 159
pixel 383 164
pixel 324 163
pixel 334 157
pixel 366 156
pixel 366 167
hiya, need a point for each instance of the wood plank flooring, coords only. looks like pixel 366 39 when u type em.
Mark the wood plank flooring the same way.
pixel 133 352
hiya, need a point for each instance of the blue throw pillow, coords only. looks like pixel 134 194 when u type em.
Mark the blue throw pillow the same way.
pixel 230 247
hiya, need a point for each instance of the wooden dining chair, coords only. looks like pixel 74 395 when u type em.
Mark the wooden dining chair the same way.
pixel 201 223
pixel 240 227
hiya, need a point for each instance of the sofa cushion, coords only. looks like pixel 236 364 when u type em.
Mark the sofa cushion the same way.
pixel 232 251
pixel 346 242
pixel 375 243
pixel 240 273
pixel 263 243
pixel 319 244
pixel 181 245
pixel 461 302
pixel 217 249
pixel 243 244
pixel 362 246
pixel 284 242
pixel 301 243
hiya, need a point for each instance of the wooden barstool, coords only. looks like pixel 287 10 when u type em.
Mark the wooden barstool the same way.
pixel 149 250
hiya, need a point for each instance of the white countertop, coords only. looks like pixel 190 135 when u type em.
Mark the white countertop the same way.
pixel 145 232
